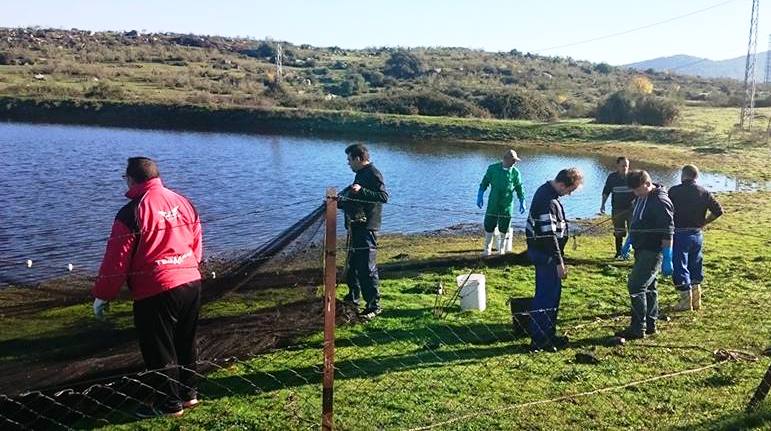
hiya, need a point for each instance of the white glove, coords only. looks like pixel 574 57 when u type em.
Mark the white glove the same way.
pixel 100 307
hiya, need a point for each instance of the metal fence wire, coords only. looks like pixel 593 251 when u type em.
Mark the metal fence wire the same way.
pixel 279 350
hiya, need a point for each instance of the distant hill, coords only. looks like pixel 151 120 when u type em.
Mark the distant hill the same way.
pixel 704 67
pixel 214 71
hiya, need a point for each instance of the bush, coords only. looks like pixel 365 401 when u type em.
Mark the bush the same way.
pixel 518 105
pixel 105 91
pixel 423 103
pixel 373 77
pixel 404 65
pixel 618 108
pixel 603 68
pixel 353 84
pixel 656 111
pixel 623 107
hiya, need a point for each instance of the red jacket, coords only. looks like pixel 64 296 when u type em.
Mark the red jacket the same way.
pixel 155 244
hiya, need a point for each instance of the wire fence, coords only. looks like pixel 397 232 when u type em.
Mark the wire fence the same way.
pixel 426 363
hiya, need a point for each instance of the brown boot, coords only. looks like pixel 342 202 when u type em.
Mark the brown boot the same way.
pixel 685 301
pixel 696 296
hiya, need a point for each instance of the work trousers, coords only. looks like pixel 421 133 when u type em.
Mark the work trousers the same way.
pixel 546 302
pixel 362 275
pixel 642 290
pixel 166 324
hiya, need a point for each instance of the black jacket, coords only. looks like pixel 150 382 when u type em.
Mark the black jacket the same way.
pixel 364 209
pixel 622 194
pixel 652 220
pixel 547 227
pixel 691 202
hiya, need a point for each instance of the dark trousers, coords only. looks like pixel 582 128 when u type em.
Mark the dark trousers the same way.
pixel 166 324
pixel 503 223
pixel 622 220
pixel 642 290
pixel 546 302
pixel 362 274
pixel 687 259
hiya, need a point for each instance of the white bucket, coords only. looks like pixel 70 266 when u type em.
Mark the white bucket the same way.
pixel 472 292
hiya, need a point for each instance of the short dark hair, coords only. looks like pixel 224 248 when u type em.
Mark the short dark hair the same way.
pixel 141 169
pixel 621 159
pixel 569 177
pixel 691 171
pixel 358 150
pixel 637 178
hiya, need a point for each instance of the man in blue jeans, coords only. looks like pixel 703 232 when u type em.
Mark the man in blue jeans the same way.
pixel 547 233
pixel 691 202
pixel 651 236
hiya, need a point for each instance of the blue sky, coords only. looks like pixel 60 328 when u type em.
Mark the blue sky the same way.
pixel 718 33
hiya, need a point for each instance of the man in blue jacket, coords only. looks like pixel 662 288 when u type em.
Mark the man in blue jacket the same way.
pixel 651 236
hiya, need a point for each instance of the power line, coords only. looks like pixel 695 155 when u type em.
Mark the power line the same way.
pixel 621 33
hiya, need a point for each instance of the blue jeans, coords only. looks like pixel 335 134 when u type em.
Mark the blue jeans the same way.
pixel 687 259
pixel 545 305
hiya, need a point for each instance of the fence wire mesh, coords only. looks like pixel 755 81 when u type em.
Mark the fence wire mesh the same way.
pixel 425 363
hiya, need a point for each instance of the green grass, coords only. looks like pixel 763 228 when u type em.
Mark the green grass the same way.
pixel 409 369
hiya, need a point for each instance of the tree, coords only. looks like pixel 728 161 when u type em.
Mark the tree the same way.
pixel 603 68
pixel 403 64
pixel 641 85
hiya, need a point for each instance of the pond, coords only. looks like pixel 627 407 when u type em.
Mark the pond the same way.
pixel 61 185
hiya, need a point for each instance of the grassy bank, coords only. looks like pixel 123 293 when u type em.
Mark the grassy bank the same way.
pixel 410 369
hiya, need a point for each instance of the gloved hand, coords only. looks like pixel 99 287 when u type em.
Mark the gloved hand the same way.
pixel 522 206
pixel 666 265
pixel 481 198
pixel 627 248
pixel 100 307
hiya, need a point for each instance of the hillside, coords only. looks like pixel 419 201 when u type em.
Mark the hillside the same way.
pixel 688 65
pixel 172 68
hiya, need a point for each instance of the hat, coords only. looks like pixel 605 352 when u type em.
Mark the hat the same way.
pixel 513 154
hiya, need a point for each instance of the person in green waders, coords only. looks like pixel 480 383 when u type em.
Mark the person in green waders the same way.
pixel 503 179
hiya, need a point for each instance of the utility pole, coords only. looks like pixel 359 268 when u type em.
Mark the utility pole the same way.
pixel 748 107
pixel 279 62
pixel 768 62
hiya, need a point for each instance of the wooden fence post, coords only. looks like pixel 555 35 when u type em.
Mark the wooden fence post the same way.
pixel 330 284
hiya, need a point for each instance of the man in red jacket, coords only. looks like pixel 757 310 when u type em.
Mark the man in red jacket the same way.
pixel 155 247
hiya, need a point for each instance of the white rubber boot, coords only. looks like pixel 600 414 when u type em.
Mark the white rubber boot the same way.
pixel 501 243
pixel 696 296
pixel 509 242
pixel 488 245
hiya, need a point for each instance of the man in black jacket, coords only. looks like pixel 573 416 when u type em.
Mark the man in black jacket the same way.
pixel 691 202
pixel 547 233
pixel 363 204
pixel 651 236
pixel 621 204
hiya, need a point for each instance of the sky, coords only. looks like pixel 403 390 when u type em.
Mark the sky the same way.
pixel 556 27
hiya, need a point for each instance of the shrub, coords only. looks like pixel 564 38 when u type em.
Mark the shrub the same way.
pixel 618 108
pixel 373 77
pixel 404 65
pixel 603 68
pixel 106 91
pixel 656 111
pixel 623 107
pixel 518 105
pixel 423 103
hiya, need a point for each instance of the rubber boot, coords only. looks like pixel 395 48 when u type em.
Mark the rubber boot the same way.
pixel 508 243
pixel 488 246
pixel 685 301
pixel 502 243
pixel 696 296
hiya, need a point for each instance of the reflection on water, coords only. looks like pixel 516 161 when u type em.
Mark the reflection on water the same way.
pixel 62 185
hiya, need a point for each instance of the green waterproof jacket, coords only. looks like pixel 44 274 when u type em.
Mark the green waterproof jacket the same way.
pixel 502 184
